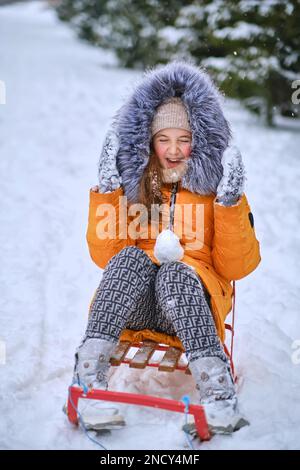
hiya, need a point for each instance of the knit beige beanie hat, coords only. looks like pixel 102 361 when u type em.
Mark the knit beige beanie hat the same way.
pixel 171 113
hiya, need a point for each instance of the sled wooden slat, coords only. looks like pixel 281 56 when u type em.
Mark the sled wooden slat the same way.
pixel 142 356
pixel 145 350
pixel 120 353
pixel 170 360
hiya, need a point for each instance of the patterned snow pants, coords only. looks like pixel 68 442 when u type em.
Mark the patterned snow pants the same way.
pixel 135 293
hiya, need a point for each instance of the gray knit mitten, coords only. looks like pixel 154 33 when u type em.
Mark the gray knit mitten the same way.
pixel 109 178
pixel 231 186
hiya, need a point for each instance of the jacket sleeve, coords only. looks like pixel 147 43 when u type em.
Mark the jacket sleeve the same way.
pixel 235 249
pixel 107 226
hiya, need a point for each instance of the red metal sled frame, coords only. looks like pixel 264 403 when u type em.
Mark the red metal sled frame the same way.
pixel 136 399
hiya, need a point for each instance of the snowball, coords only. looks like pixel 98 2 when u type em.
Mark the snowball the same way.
pixel 167 247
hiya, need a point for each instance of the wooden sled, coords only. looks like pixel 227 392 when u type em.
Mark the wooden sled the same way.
pixel 136 349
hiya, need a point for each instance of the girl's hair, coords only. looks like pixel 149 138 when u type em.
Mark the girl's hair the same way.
pixel 151 181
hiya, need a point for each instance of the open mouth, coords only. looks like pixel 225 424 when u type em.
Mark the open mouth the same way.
pixel 175 160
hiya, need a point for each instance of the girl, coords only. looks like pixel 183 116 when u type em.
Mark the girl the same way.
pixel 168 155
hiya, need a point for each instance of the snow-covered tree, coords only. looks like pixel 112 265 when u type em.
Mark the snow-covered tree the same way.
pixel 128 27
pixel 251 47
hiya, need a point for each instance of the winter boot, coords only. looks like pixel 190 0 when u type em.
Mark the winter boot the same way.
pixel 92 363
pixel 217 395
pixel 91 369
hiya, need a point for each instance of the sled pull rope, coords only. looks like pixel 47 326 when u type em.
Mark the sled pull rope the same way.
pixel 186 400
pixel 85 390
pixel 233 315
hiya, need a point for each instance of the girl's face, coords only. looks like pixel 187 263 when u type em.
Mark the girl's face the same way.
pixel 172 146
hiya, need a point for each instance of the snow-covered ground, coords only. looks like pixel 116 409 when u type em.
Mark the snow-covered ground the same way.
pixel 60 96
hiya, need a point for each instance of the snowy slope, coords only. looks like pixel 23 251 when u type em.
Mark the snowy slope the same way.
pixel 60 96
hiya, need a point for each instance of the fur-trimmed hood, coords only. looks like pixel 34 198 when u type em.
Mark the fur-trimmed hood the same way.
pixel 210 130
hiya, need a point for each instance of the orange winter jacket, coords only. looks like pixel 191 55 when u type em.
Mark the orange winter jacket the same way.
pixel 220 245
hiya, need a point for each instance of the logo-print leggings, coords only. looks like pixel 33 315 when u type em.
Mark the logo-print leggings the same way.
pixel 135 293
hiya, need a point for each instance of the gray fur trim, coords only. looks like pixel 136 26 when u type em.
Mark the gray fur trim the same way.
pixel 210 130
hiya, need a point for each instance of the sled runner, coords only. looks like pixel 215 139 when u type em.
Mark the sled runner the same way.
pixel 136 349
